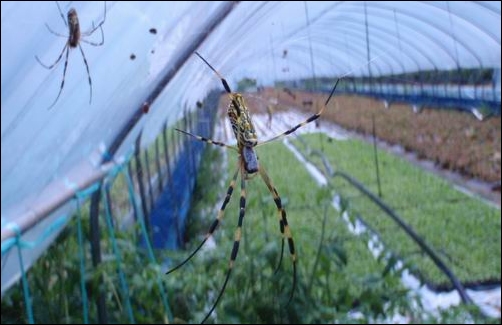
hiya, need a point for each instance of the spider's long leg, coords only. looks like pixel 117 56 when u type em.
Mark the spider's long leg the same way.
pixel 61 13
pixel 214 224
pixel 96 27
pixel 64 75
pixel 53 32
pixel 223 81
pixel 57 60
pixel 283 221
pixel 203 139
pixel 310 119
pixel 88 73
pixel 237 238
pixel 94 43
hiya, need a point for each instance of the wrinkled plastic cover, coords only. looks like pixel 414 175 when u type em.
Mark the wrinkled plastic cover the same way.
pixel 263 40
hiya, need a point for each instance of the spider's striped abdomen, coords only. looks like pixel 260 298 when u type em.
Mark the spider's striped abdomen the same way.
pixel 244 132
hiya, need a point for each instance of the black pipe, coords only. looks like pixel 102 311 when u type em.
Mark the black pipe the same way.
pixel 96 252
pixel 166 155
pixel 140 176
pixel 148 182
pixel 157 164
pixel 375 155
pixel 423 245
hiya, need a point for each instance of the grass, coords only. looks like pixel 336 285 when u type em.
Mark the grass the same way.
pixel 336 271
pixel 463 230
pixel 337 274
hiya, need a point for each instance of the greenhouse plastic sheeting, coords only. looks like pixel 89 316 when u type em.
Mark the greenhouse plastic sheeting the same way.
pixel 44 144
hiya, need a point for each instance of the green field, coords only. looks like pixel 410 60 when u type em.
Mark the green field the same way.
pixel 336 271
pixel 338 279
pixel 463 230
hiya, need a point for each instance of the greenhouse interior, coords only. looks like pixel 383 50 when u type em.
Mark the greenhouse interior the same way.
pixel 251 162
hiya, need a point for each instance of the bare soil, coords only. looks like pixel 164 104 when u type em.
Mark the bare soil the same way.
pixel 455 141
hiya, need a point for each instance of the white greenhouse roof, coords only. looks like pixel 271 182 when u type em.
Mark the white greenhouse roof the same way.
pixel 248 39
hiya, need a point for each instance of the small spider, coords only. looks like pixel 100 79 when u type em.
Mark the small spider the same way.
pixel 74 39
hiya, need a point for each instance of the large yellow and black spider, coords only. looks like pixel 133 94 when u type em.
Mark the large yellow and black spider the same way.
pixel 248 166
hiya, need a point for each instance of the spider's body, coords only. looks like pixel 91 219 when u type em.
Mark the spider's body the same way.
pixel 74 28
